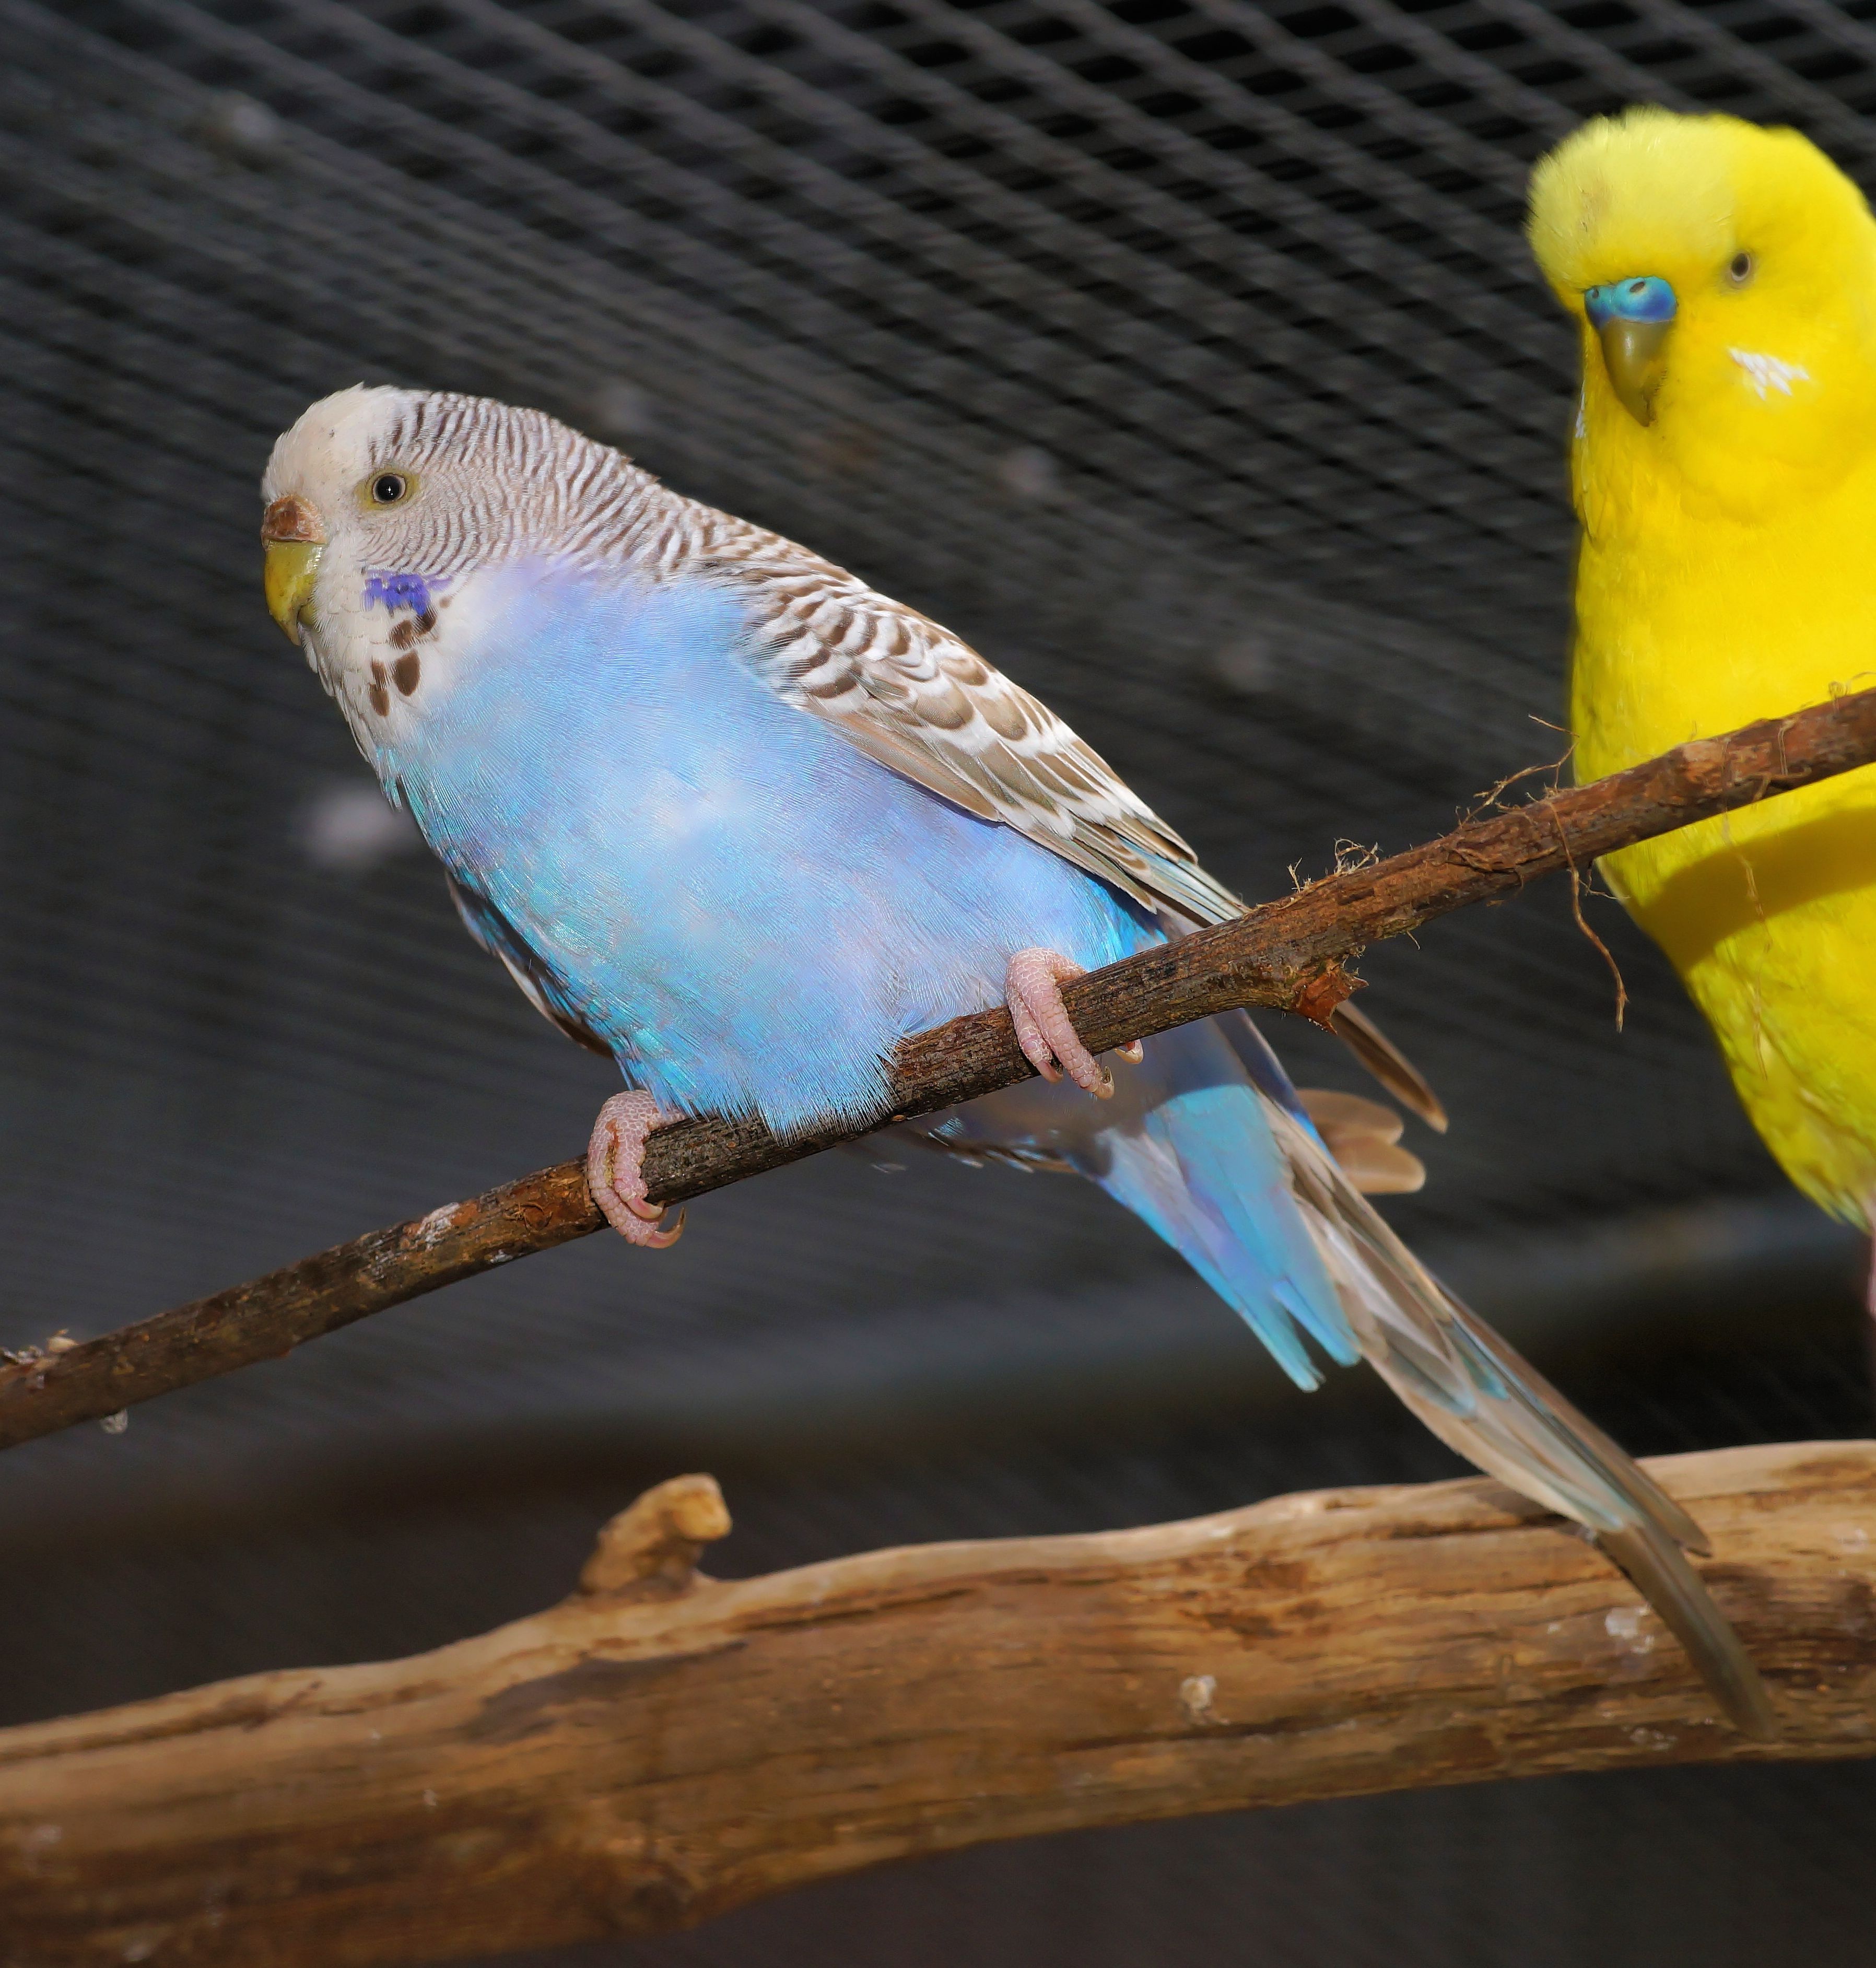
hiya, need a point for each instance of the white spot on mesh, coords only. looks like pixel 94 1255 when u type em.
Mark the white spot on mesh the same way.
pixel 1249 663
pixel 242 128
pixel 620 408
pixel 1030 474
pixel 351 828
pixel 1768 373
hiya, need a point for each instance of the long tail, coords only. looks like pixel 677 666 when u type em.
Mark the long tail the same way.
pixel 1480 1397
pixel 1219 1157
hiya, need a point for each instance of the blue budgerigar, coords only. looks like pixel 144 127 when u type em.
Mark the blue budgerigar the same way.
pixel 733 818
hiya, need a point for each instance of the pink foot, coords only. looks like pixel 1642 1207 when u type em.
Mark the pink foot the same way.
pixel 614 1174
pixel 1032 987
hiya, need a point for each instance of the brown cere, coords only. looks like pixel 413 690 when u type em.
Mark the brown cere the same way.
pixel 293 519
pixel 405 672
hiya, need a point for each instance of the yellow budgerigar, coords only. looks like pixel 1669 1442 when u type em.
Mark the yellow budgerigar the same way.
pixel 1724 465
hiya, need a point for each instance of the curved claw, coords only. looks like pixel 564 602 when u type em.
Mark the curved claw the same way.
pixel 615 1172
pixel 1032 990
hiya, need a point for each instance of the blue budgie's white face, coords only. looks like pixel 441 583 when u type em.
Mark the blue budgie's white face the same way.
pixel 387 510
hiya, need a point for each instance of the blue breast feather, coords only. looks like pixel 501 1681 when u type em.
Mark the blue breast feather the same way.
pixel 751 913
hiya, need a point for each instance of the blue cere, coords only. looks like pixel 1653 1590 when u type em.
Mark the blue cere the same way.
pixel 1643 297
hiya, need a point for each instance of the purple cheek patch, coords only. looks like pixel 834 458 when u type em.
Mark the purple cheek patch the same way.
pixel 400 591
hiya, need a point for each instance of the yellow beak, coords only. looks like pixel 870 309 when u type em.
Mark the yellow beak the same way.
pixel 1635 355
pixel 293 539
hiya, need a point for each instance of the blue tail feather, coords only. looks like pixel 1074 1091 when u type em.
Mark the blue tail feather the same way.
pixel 1191 1154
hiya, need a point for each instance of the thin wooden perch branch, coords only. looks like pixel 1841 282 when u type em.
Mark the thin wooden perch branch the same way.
pixel 1286 955
pixel 660 1747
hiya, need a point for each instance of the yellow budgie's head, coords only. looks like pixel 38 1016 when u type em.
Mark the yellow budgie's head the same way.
pixel 1724 277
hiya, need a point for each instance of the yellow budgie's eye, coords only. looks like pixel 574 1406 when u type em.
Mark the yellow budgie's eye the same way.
pixel 1741 268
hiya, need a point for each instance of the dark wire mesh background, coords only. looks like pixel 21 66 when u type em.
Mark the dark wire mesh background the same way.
pixel 1182 353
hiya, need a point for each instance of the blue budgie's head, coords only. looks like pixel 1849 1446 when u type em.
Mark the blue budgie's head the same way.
pixel 385 510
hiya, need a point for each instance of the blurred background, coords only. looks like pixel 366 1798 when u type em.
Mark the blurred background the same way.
pixel 1184 355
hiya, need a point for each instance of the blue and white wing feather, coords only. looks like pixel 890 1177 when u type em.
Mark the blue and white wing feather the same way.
pixel 920 699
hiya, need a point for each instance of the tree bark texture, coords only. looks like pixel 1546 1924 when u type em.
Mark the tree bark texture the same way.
pixel 1286 955
pixel 661 1746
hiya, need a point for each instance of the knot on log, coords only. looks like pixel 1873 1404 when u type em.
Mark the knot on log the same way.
pixel 650 1550
pixel 1320 993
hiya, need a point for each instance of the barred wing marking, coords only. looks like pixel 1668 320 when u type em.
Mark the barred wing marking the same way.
pixel 923 703
pixel 912 695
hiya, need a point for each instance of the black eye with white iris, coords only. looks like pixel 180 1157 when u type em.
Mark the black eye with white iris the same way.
pixel 1741 268
pixel 388 487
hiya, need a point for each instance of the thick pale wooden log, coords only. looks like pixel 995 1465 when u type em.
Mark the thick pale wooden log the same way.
pixel 660 1747
pixel 1286 955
